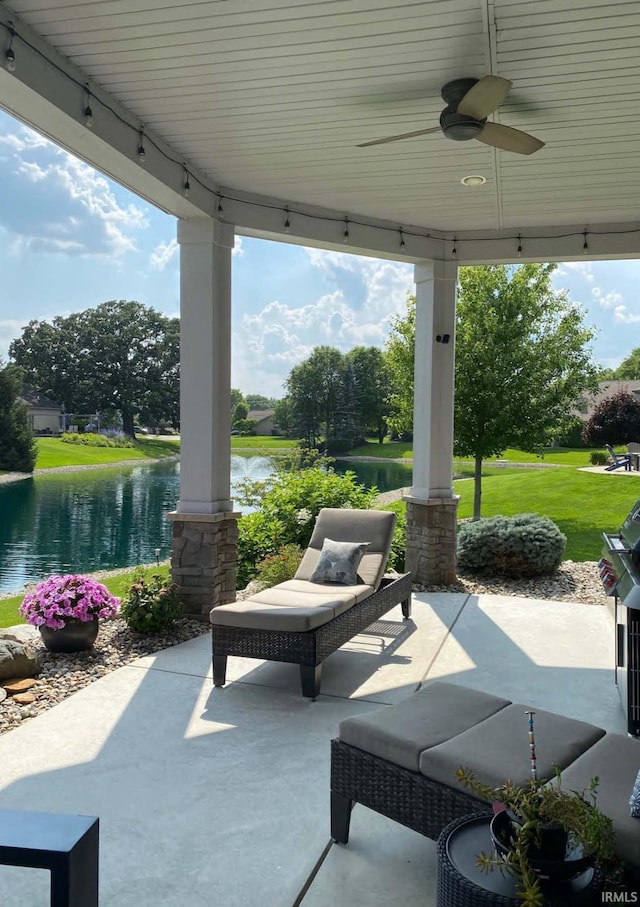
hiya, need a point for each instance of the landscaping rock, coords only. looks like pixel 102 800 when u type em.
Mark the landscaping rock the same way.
pixel 3 694
pixel 22 633
pixel 24 698
pixel 17 659
pixel 18 685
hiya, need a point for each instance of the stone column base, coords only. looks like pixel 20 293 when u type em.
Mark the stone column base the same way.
pixel 431 540
pixel 204 560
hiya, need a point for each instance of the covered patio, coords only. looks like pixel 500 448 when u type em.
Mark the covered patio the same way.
pixel 249 119
pixel 222 795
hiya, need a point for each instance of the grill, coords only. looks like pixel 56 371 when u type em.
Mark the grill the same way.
pixel 619 570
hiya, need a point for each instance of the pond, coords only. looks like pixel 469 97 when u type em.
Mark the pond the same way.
pixel 108 518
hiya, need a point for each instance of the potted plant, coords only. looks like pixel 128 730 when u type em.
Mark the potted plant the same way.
pixel 66 610
pixel 543 833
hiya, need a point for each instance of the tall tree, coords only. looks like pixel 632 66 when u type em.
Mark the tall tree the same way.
pixel 629 368
pixel 257 401
pixel 315 389
pixel 522 359
pixel 120 355
pixel 399 358
pixel 18 451
pixel 615 420
pixel 372 375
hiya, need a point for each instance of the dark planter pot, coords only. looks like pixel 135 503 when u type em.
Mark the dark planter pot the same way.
pixel 75 636
pixel 559 857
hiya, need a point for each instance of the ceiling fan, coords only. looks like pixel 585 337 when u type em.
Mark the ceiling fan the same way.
pixel 469 103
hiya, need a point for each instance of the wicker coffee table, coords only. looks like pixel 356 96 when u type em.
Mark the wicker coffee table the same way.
pixel 461 883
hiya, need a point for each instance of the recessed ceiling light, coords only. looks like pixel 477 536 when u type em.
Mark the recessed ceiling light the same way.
pixel 473 180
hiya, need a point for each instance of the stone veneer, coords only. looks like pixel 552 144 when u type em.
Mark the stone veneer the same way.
pixel 204 560
pixel 431 540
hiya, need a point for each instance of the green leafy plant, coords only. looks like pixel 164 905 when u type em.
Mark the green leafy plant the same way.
pixel 151 604
pixel 599 457
pixel 279 567
pixel 521 545
pixel 540 806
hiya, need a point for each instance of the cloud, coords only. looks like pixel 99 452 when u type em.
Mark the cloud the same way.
pixel 583 268
pixel 608 300
pixel 238 249
pixel 164 254
pixel 10 328
pixel 365 294
pixel 56 204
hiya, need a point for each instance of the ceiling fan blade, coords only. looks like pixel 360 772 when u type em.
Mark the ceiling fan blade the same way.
pixel 484 97
pixel 397 138
pixel 509 139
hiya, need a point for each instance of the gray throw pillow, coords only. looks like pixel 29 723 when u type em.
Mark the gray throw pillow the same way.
pixel 339 562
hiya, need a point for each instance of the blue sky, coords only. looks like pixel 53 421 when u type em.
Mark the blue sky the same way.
pixel 71 239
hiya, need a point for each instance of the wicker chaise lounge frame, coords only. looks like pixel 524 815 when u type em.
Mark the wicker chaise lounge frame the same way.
pixel 405 796
pixel 310 648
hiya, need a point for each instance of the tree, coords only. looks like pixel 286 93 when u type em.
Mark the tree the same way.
pixel 615 420
pixel 522 359
pixel 315 389
pixel 240 412
pixel 257 401
pixel 282 417
pixel 399 359
pixel 18 450
pixel 372 375
pixel 629 368
pixel 236 397
pixel 120 355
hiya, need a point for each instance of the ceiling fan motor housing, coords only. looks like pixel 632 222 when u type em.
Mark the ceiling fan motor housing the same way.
pixel 459 127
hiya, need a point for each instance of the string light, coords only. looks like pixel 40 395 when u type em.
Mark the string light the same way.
pixel 88 112
pixel 287 225
pixel 402 242
pixel 186 186
pixel 585 244
pixel 454 251
pixel 345 235
pixel 9 55
pixel 220 209
pixel 519 246
pixel 142 154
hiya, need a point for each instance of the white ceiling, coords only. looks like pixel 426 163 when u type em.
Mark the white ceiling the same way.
pixel 272 97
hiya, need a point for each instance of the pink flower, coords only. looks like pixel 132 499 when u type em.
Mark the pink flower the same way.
pixel 72 596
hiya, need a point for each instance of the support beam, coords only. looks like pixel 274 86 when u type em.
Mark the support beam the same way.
pixel 431 504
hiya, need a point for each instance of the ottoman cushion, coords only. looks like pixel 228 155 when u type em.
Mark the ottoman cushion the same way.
pixel 498 749
pixel 615 760
pixel 399 733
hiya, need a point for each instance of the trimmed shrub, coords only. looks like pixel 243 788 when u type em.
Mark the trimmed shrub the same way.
pixel 279 567
pixel 92 439
pixel 599 457
pixel 523 545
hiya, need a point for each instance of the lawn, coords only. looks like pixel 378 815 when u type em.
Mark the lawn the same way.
pixel 583 504
pixel 559 456
pixel 54 452
pixel 118 585
pixel 388 450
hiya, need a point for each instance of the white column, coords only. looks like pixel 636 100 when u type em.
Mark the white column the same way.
pixel 434 380
pixel 205 365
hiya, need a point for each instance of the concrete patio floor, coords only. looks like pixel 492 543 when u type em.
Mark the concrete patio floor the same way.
pixel 212 796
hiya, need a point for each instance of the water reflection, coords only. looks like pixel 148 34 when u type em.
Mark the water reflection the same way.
pixel 104 519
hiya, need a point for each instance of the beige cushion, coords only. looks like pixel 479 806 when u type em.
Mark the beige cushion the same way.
pixel 325 590
pixel 400 733
pixel 615 760
pixel 252 615
pixel 498 749
pixel 345 525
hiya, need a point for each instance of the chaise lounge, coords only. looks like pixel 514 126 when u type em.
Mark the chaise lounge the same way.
pixel 339 590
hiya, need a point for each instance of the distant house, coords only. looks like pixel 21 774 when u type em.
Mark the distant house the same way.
pixel 45 416
pixel 264 418
pixel 585 407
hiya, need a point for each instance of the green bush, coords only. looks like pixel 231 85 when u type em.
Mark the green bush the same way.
pixel 399 543
pixel 599 457
pixel 92 439
pixel 279 567
pixel 288 505
pixel 523 545
pixel 151 604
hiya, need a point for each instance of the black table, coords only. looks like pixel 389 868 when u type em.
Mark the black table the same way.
pixel 461 882
pixel 66 845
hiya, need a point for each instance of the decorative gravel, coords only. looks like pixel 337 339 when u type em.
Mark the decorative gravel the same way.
pixel 117 646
